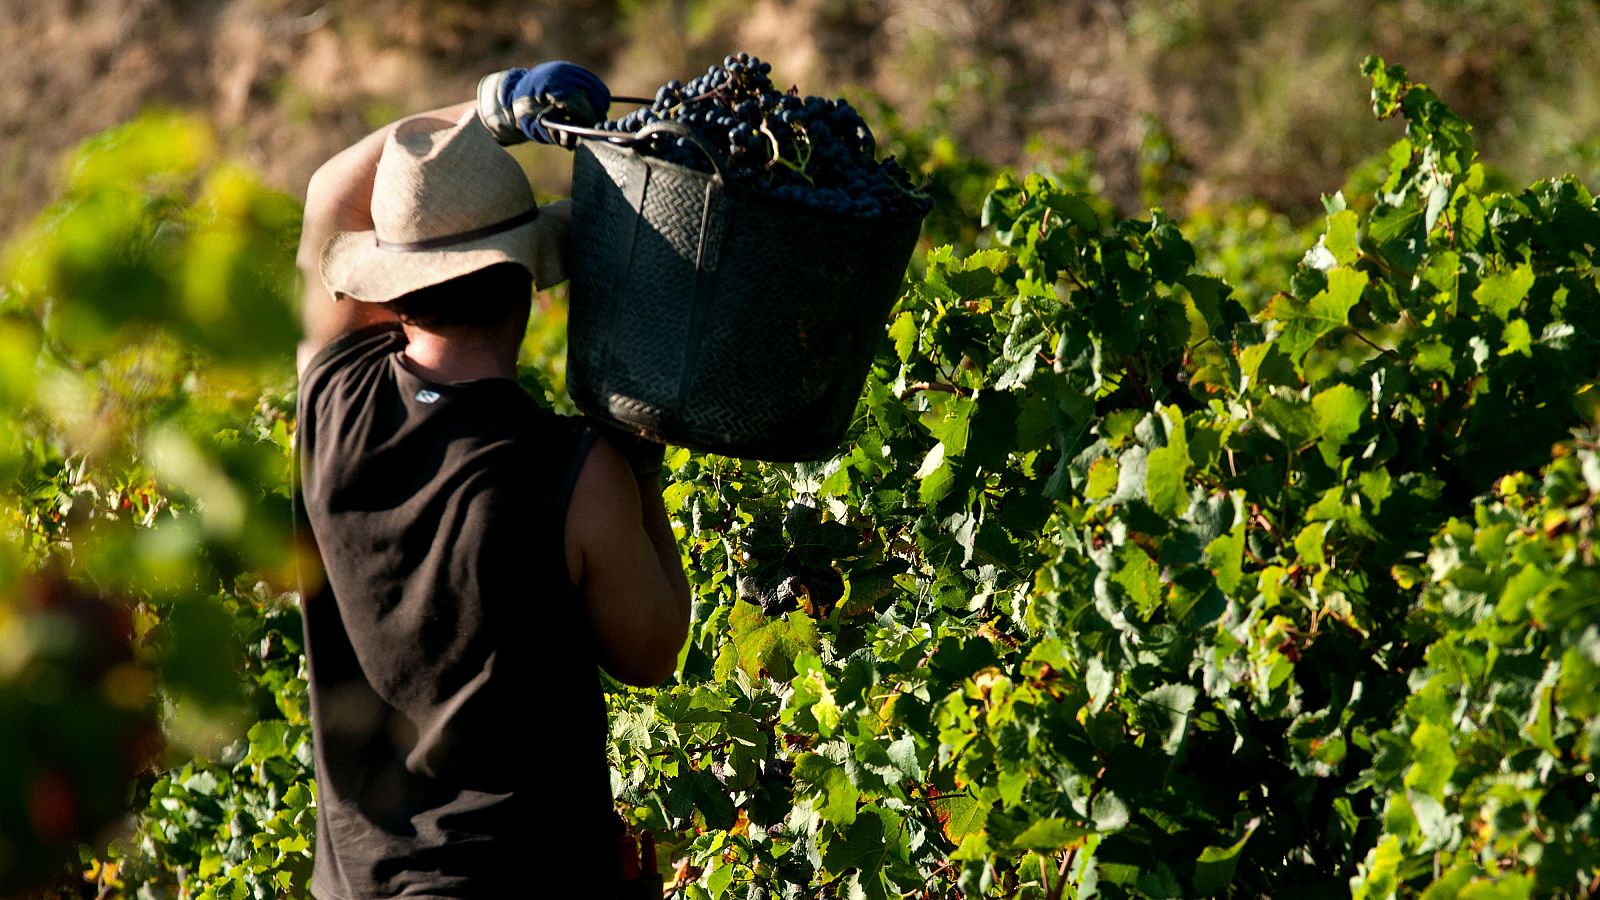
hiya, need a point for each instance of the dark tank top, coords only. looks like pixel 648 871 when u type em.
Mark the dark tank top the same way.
pixel 456 707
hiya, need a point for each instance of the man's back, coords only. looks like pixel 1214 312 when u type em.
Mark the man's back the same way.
pixel 439 511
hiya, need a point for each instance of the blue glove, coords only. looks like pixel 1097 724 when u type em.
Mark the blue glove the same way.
pixel 511 103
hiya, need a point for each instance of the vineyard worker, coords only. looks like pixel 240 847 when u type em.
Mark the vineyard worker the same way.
pixel 479 554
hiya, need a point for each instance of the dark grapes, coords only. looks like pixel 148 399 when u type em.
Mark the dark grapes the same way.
pixel 811 150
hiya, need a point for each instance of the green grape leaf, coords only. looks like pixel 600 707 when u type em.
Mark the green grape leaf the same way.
pixel 1211 297
pixel 1511 886
pixel 1075 208
pixel 1164 713
pixel 1049 835
pixel 1109 813
pixel 1214 869
pixel 1305 324
pixel 1501 293
pixel 1225 555
pixel 1389 84
pixel 1166 468
pixel 875 837
pixel 1309 543
pixel 1138 576
pixel 903 755
pixel 707 796
pixel 1516 338
pixel 827 785
pixel 937 476
pixel 1434 760
pixel 950 423
pixel 1339 410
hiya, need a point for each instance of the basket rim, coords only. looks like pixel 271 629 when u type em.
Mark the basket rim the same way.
pixel 740 190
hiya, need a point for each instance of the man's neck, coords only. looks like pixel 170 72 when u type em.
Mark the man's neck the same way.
pixel 459 355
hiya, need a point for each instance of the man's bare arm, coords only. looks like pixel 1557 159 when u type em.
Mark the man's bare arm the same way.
pixel 339 198
pixel 622 555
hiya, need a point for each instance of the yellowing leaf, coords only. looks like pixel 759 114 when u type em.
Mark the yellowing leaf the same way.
pixel 904 334
pixel 1378 878
pixel 1102 478
pixel 961 816
pixel 758 643
pixel 1341 236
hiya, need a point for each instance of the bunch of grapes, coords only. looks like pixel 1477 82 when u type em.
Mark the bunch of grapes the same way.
pixel 810 150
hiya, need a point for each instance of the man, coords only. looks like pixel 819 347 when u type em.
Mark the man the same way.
pixel 479 554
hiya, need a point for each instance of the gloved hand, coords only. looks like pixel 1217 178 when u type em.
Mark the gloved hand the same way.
pixel 511 103
pixel 642 454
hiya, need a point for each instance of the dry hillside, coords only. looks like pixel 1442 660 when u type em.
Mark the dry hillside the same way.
pixel 1256 98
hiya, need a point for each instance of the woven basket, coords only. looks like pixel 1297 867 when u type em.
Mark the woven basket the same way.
pixel 710 316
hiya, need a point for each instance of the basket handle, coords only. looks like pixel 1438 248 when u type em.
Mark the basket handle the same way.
pixel 617 137
pixel 689 134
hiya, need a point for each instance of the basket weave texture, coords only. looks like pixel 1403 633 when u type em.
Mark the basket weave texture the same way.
pixel 710 316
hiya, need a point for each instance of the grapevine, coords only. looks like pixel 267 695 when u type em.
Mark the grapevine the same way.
pixel 1129 582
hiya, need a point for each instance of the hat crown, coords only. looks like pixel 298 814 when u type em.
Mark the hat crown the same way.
pixel 436 179
pixel 447 200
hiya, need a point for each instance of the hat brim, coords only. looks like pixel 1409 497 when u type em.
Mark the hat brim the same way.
pixel 354 265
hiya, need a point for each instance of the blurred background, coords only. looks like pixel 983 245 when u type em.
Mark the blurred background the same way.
pixel 153 154
pixel 1179 102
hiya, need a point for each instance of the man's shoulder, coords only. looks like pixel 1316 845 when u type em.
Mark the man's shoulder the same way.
pixel 363 344
pixel 336 385
pixel 560 441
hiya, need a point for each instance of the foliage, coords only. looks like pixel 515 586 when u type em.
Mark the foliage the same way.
pixel 1115 583
pixel 1126 583
pixel 75 723
pixel 241 825
pixel 146 512
pixel 1251 248
pixel 1488 773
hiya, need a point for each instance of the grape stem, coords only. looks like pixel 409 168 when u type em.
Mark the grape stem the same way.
pixel 941 386
pixel 1384 350
pixel 777 148
pixel 1054 890
pixel 911 192
pixel 799 168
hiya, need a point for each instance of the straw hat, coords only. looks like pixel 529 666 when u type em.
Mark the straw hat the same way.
pixel 446 201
